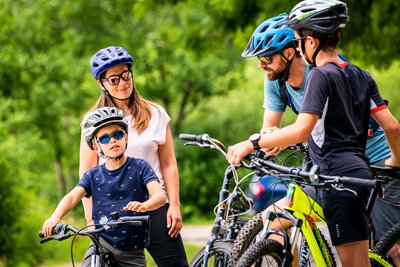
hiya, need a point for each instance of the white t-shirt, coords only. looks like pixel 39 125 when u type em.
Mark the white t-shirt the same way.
pixel 145 145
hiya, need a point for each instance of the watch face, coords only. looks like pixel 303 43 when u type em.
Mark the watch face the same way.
pixel 255 137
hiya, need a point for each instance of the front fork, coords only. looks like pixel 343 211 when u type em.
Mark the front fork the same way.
pixel 289 241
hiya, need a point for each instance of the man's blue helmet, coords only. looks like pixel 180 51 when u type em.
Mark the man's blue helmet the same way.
pixel 108 57
pixel 270 37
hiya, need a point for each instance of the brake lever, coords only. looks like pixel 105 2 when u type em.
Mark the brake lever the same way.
pixel 340 188
pixel 199 145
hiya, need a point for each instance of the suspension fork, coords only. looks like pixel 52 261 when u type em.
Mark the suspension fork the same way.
pixel 223 195
pixel 289 242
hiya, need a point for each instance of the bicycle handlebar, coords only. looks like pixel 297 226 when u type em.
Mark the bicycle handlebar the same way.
pixel 317 178
pixel 61 231
pixel 259 162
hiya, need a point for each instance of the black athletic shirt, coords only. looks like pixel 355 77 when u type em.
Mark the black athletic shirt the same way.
pixel 343 96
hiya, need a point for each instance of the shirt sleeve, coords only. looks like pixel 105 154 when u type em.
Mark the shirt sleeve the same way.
pixel 147 172
pixel 377 103
pixel 84 182
pixel 316 93
pixel 158 127
pixel 272 97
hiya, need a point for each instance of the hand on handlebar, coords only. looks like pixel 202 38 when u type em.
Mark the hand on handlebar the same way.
pixel 238 151
pixel 49 225
pixel 136 206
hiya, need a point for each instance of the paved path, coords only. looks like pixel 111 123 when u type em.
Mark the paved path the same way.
pixel 196 235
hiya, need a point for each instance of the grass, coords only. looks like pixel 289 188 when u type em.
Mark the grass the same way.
pixel 191 251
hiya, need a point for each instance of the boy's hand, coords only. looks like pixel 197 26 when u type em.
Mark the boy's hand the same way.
pixel 135 206
pixel 49 225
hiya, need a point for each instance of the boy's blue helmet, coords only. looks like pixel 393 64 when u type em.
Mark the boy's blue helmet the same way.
pixel 108 57
pixel 270 37
pixel 100 118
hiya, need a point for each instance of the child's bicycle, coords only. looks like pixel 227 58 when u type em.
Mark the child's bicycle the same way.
pixel 231 208
pixel 99 257
pixel 314 249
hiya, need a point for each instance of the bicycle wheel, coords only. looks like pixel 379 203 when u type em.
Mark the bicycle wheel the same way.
pixel 391 237
pixel 262 253
pixel 247 235
pixel 218 254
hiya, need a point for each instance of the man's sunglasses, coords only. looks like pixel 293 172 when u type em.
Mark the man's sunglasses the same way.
pixel 106 138
pixel 126 75
pixel 268 59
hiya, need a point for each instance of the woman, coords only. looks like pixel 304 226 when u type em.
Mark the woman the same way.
pixel 334 116
pixel 150 138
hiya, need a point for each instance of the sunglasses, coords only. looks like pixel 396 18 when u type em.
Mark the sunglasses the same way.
pixel 106 138
pixel 297 41
pixel 126 75
pixel 268 59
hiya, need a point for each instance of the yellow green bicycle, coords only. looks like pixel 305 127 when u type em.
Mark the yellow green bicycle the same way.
pixel 303 212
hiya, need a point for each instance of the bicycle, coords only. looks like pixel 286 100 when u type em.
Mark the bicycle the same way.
pixel 301 211
pixel 231 208
pixel 251 231
pixel 99 257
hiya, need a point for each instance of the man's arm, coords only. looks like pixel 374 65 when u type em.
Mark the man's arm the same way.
pixel 392 131
pixel 271 119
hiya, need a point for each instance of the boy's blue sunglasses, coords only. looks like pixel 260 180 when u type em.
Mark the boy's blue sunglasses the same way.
pixel 117 135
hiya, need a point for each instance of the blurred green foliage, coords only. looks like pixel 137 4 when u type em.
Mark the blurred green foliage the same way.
pixel 187 58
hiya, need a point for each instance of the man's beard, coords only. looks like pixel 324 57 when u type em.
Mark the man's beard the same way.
pixel 275 75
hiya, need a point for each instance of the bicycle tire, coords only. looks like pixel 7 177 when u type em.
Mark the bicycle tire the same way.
pixel 388 240
pixel 218 254
pixel 262 253
pixel 244 238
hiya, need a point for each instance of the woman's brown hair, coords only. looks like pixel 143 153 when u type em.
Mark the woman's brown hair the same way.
pixel 140 107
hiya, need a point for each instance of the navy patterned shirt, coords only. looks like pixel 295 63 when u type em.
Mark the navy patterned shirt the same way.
pixel 111 190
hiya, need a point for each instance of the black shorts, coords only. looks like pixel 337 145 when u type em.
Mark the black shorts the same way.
pixel 346 213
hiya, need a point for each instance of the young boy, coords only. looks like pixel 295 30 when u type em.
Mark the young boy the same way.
pixel 123 184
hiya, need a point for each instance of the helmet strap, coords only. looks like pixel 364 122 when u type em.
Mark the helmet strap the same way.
pixel 303 48
pixel 101 154
pixel 288 64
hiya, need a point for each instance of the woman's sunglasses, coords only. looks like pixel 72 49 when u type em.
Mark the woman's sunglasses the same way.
pixel 117 135
pixel 113 80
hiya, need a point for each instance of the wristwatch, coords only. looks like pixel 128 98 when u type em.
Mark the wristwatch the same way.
pixel 254 138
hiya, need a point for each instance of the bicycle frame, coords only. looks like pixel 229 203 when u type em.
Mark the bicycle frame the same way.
pixel 221 216
pixel 304 212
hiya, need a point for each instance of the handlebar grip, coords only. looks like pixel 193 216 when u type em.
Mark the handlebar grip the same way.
pixel 350 181
pixel 56 230
pixel 358 181
pixel 144 218
pixel 191 137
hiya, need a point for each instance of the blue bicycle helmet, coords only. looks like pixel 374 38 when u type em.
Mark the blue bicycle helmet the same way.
pixel 320 16
pixel 108 57
pixel 270 37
